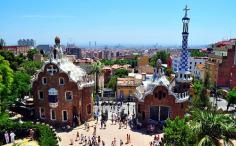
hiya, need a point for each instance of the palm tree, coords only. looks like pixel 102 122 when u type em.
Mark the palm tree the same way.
pixel 212 127
pixel 96 70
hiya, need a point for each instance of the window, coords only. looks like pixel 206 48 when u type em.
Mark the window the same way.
pixel 44 80
pixel 52 70
pixel 190 67
pixel 61 81
pixel 89 109
pixel 40 95
pixel 64 116
pixel 41 113
pixel 190 62
pixel 52 114
pixel 69 95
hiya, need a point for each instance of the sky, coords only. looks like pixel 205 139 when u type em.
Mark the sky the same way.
pixel 137 22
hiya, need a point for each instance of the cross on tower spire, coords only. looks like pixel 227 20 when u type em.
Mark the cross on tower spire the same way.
pixel 186 9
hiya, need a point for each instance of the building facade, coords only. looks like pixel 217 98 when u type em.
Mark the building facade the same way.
pixel 199 73
pixel 74 51
pixel 192 62
pixel 17 50
pixel 157 98
pixel 125 88
pixel 227 70
pixel 62 91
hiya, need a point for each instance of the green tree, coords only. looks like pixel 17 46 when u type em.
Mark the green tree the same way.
pixel 231 97
pixel 201 100
pixel 21 85
pixel 197 86
pixel 132 62
pixel 6 80
pixel 112 82
pixel 31 53
pixel 163 55
pixel 197 53
pixel 207 84
pixel 97 70
pixel 178 133
pixel 30 67
pixel 14 61
pixel 211 127
pixel 121 73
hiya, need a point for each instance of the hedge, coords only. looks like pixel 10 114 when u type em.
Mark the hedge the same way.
pixel 43 134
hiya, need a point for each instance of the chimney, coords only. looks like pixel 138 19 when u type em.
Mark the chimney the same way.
pixel 143 76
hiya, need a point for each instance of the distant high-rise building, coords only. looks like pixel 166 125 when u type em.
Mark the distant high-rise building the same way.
pixel 72 50
pixel 2 43
pixel 26 42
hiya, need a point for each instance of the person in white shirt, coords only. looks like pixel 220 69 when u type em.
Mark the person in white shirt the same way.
pixel 6 135
pixel 12 135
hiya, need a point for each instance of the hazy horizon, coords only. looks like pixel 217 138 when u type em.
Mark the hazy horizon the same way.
pixel 122 22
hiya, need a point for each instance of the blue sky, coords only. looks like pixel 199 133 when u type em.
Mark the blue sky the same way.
pixel 116 21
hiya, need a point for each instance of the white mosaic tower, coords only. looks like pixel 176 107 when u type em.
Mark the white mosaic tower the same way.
pixel 183 74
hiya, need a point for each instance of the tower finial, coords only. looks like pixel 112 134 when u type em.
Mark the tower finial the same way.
pixel 186 9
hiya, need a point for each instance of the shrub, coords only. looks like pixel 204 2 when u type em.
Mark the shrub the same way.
pixel 43 134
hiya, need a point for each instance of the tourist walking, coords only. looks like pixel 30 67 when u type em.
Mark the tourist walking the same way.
pixel 12 135
pixel 77 136
pixel 6 135
pixel 94 130
pixel 103 143
pixel 71 141
pixel 121 143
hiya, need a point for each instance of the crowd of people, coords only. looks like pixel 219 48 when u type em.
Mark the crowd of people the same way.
pixel 10 137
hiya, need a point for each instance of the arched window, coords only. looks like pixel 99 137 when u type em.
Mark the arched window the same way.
pixel 61 81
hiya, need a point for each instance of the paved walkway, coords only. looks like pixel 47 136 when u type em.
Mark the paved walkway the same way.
pixel 108 134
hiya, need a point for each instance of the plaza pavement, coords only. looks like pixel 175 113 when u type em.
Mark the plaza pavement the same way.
pixel 107 135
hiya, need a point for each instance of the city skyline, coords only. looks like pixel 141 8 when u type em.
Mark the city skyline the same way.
pixel 116 22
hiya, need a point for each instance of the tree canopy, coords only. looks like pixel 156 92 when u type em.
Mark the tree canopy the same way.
pixel 163 55
pixel 210 127
pixel 21 85
pixel 132 62
pixel 197 53
pixel 231 97
pixel 119 73
pixel 6 80
pixel 31 53
pixel 178 132
pixel 31 67
pixel 204 128
pixel 15 74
